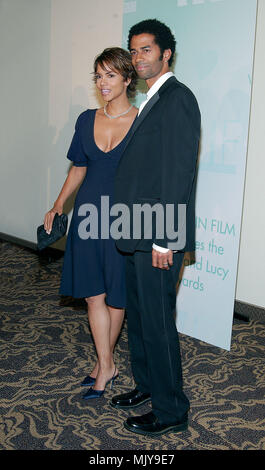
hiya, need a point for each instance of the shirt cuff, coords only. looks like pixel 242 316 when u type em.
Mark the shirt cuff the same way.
pixel 160 248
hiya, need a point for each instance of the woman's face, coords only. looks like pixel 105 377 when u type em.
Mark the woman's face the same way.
pixel 110 83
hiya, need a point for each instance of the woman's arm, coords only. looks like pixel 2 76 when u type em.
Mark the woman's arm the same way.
pixel 74 178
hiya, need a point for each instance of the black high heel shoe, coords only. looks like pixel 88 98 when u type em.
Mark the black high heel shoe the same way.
pixel 88 381
pixel 92 393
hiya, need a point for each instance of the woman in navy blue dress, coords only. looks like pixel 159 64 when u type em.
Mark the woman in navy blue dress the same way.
pixel 93 268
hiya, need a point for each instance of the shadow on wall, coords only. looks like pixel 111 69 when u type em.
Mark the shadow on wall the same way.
pixel 57 149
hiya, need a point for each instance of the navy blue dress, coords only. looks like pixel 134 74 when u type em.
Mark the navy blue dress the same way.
pixel 93 266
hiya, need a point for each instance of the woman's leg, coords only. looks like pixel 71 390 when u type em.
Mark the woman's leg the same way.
pixel 116 321
pixel 105 324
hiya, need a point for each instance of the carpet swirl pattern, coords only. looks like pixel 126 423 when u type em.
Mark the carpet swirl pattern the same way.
pixel 46 350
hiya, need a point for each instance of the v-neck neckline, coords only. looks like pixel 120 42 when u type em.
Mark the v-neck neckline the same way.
pixel 116 146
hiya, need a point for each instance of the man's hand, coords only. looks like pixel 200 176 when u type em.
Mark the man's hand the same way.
pixel 162 260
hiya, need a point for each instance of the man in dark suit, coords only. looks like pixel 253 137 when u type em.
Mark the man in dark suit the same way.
pixel 158 166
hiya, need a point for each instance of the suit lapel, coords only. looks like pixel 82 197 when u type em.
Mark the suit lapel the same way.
pixel 142 116
pixel 145 111
pixel 147 108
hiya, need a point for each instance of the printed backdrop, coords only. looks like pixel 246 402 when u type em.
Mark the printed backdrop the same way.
pixel 215 47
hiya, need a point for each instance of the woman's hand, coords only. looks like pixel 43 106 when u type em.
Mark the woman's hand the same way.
pixel 74 178
pixel 48 219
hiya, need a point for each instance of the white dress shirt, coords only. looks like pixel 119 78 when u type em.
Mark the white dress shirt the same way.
pixel 154 88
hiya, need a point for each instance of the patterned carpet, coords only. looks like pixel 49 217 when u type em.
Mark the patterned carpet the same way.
pixel 46 350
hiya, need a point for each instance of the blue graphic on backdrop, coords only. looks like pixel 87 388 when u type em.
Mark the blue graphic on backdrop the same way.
pixel 214 57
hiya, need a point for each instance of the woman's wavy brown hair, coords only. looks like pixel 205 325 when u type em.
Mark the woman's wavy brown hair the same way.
pixel 118 59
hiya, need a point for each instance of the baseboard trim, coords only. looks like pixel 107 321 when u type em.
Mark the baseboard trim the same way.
pixel 244 311
pixel 18 241
pixel 50 252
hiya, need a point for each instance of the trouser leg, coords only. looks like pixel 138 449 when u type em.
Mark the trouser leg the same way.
pixel 156 337
pixel 135 338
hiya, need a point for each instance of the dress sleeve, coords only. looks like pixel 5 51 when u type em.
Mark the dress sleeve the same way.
pixel 76 152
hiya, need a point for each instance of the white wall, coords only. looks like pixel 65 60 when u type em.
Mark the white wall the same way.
pixel 47 48
pixel 24 97
pixel 80 29
pixel 251 275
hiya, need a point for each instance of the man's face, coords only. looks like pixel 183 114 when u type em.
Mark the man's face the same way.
pixel 146 57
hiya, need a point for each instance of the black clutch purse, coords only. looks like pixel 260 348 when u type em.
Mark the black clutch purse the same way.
pixel 59 228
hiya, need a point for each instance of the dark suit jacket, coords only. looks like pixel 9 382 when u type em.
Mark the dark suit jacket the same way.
pixel 159 162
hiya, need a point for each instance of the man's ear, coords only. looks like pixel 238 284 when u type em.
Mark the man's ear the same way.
pixel 167 54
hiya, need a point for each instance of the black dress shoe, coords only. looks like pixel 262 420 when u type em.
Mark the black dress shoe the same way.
pixel 129 400
pixel 149 425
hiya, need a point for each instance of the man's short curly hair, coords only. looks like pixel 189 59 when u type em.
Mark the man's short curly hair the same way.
pixel 163 36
